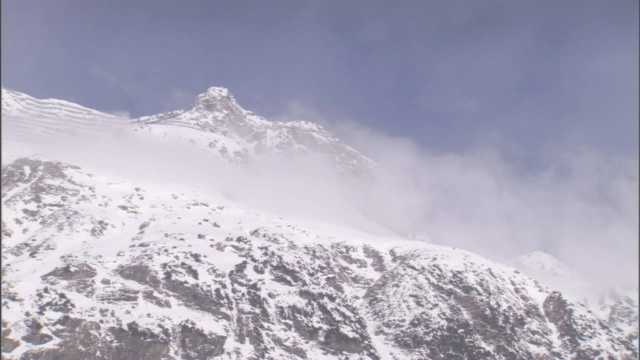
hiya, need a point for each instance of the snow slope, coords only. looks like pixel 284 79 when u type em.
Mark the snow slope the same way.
pixel 28 118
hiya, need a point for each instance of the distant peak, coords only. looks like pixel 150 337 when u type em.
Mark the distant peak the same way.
pixel 215 98
pixel 539 254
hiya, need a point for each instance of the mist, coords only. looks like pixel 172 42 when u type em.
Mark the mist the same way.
pixel 580 207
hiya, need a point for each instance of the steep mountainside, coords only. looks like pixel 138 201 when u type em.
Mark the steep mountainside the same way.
pixel 618 307
pixel 102 269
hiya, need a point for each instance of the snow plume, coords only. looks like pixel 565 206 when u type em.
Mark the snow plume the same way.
pixel 582 207
pixel 303 186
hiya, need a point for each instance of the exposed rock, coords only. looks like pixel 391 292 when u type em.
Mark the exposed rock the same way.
pixel 195 344
pixel 140 273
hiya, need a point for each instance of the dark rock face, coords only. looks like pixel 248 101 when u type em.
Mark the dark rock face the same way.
pixel 73 272
pixel 49 299
pixel 200 281
pixel 81 341
pixel 574 329
pixel 139 273
pixel 457 315
pixel 623 318
pixel 34 336
pixel 470 323
pixel 195 344
pixel 6 343
pixel 136 343
pixel 559 314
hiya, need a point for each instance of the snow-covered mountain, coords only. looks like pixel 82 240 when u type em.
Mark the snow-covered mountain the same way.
pixel 214 123
pixel 97 266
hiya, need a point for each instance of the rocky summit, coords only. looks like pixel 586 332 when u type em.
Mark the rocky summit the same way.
pixel 217 124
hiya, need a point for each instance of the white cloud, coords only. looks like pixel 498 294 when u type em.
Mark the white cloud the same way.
pixel 582 207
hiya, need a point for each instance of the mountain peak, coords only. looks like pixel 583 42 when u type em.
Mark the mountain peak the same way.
pixel 216 92
pixel 215 98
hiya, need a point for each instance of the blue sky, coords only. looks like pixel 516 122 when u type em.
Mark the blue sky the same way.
pixel 531 78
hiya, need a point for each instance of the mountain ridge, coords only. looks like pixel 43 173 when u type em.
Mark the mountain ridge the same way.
pixel 214 123
pixel 92 266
